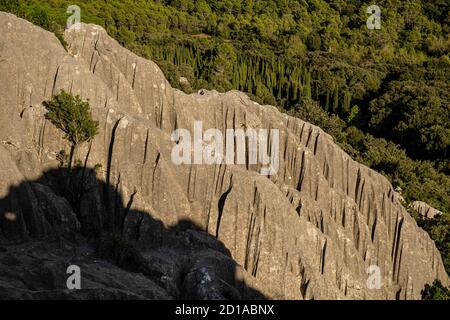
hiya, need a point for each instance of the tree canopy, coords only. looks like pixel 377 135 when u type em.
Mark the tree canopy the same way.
pixel 72 116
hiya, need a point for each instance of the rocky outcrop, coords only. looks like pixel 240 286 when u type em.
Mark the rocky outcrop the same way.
pixel 309 232
pixel 424 209
pixel 189 264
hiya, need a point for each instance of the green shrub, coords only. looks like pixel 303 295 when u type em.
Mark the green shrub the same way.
pixel 72 116
pixel 439 230
pixel 436 291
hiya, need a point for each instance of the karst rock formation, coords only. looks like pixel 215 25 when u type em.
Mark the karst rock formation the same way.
pixel 424 209
pixel 309 232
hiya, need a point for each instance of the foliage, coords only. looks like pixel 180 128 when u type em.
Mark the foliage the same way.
pixel 416 115
pixel 281 52
pixel 62 158
pixel 36 13
pixel 436 292
pixel 73 117
pixel 439 230
pixel 310 111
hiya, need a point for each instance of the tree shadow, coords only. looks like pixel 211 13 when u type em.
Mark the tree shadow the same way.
pixel 183 260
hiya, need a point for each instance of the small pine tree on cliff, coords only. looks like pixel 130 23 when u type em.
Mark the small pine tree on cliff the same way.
pixel 72 116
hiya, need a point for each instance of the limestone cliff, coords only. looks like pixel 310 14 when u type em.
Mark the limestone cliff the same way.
pixel 310 231
pixel 424 209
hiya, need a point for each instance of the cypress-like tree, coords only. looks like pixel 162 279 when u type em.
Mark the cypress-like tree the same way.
pixel 327 101
pixel 307 88
pixel 336 101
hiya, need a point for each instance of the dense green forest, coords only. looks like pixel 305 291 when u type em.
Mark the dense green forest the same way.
pixel 383 94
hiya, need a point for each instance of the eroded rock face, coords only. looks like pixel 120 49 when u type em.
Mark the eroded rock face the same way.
pixel 310 231
pixel 425 209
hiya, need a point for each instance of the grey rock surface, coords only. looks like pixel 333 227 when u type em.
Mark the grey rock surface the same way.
pixel 425 209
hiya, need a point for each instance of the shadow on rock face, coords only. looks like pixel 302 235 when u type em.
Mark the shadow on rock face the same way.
pixel 47 225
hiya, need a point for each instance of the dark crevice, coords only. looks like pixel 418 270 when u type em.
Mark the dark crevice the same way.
pixel 221 205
